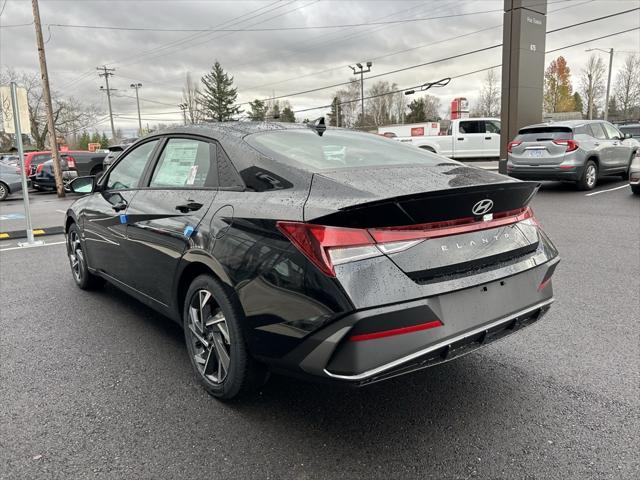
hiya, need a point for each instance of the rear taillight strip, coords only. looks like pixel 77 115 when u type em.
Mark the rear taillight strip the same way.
pixel 447 228
pixel 395 331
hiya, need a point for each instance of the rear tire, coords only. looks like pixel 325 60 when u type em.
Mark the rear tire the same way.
pixel 635 189
pixel 85 280
pixel 4 191
pixel 213 327
pixel 589 177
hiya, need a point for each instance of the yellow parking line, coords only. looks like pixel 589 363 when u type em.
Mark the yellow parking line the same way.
pixel 4 235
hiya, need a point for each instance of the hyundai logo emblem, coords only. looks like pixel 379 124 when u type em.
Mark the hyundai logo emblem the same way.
pixel 482 207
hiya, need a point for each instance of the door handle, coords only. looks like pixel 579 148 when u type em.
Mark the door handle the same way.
pixel 597 144
pixel 120 206
pixel 487 138
pixel 460 139
pixel 189 207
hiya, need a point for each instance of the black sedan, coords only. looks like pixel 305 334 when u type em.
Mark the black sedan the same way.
pixel 44 178
pixel 322 253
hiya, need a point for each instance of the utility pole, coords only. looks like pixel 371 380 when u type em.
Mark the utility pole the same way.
pixel 183 107
pixel 57 171
pixel 361 71
pixel 138 86
pixel 106 73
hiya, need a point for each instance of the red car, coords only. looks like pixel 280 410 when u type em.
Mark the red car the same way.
pixel 33 159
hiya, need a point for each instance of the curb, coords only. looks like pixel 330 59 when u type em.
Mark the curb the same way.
pixel 37 232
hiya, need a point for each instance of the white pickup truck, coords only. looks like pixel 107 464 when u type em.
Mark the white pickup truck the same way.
pixel 465 138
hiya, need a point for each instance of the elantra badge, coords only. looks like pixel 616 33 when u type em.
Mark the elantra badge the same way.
pixel 482 207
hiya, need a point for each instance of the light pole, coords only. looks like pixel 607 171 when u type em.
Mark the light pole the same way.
pixel 606 98
pixel 183 107
pixel 360 70
pixel 137 86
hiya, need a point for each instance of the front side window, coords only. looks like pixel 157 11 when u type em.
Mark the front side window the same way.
pixel 612 132
pixel 127 173
pixel 492 126
pixel 337 149
pixel 471 126
pixel 185 163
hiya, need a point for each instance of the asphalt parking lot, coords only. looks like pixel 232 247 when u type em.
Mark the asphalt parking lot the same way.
pixel 95 385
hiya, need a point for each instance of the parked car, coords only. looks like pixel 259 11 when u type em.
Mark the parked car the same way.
pixel 465 138
pixel 634 174
pixel 632 129
pixel 579 151
pixel 10 180
pixel 326 253
pixel 116 150
pixel 44 178
pixel 11 160
pixel 87 163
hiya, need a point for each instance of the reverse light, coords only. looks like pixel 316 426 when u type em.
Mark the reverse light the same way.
pixel 570 144
pixel 512 144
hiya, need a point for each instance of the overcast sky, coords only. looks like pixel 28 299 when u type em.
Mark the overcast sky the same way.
pixel 280 62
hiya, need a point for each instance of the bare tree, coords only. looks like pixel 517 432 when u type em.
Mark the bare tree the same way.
pixel 349 105
pixel 592 84
pixel 431 108
pixel 378 110
pixel 627 87
pixel 190 95
pixel 69 114
pixel 489 102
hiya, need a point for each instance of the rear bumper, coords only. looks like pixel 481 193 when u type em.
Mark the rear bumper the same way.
pixel 446 326
pixel 545 172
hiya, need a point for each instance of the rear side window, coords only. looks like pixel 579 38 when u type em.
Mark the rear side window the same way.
pixel 471 126
pixel 492 126
pixel 185 163
pixel 38 159
pixel 540 134
pixel 597 131
pixel 337 149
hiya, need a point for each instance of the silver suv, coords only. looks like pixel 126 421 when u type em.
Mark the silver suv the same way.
pixel 578 151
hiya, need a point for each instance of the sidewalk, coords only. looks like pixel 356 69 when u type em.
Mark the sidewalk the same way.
pixel 47 214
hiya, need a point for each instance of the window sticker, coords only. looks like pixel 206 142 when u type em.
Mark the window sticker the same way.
pixel 178 164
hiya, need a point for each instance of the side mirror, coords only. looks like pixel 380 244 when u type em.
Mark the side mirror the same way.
pixel 82 185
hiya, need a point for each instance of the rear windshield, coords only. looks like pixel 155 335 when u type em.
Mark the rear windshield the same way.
pixel 539 134
pixel 337 149
pixel 41 158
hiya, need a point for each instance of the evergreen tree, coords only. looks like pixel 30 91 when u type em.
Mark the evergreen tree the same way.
pixel 258 110
pixel 95 138
pixel 416 111
pixel 104 141
pixel 577 100
pixel 287 115
pixel 83 142
pixel 218 96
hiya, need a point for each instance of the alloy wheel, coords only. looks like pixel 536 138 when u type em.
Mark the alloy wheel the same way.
pixel 76 256
pixel 210 340
pixel 3 192
pixel 591 175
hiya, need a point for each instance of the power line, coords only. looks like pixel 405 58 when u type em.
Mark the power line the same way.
pixel 411 67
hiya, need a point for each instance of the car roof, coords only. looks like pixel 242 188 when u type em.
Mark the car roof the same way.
pixel 563 123
pixel 235 129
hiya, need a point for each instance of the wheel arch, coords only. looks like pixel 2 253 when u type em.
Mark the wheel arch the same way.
pixel 67 223
pixel 193 264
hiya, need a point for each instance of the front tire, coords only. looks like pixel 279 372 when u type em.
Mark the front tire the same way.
pixel 213 319
pixel 589 177
pixel 84 279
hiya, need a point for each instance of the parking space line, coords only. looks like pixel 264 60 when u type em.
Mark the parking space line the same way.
pixel 61 211
pixel 607 190
pixel 34 246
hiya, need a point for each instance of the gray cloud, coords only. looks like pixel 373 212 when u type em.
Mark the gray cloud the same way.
pixel 258 58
